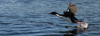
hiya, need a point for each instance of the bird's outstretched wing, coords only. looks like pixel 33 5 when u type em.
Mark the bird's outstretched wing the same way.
pixel 72 8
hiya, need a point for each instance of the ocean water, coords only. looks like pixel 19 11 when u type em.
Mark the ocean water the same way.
pixel 31 18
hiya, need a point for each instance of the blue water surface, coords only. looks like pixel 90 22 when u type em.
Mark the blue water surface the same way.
pixel 31 18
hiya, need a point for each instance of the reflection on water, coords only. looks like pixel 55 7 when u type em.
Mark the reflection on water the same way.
pixel 73 32
pixel 70 32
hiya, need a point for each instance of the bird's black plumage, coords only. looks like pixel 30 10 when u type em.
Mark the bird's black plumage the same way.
pixel 69 13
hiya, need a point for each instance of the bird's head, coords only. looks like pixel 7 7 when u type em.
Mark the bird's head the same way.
pixel 53 13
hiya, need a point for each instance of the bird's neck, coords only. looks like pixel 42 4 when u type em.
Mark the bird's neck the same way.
pixel 58 15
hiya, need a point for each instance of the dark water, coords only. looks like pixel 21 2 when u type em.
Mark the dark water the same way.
pixel 31 18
